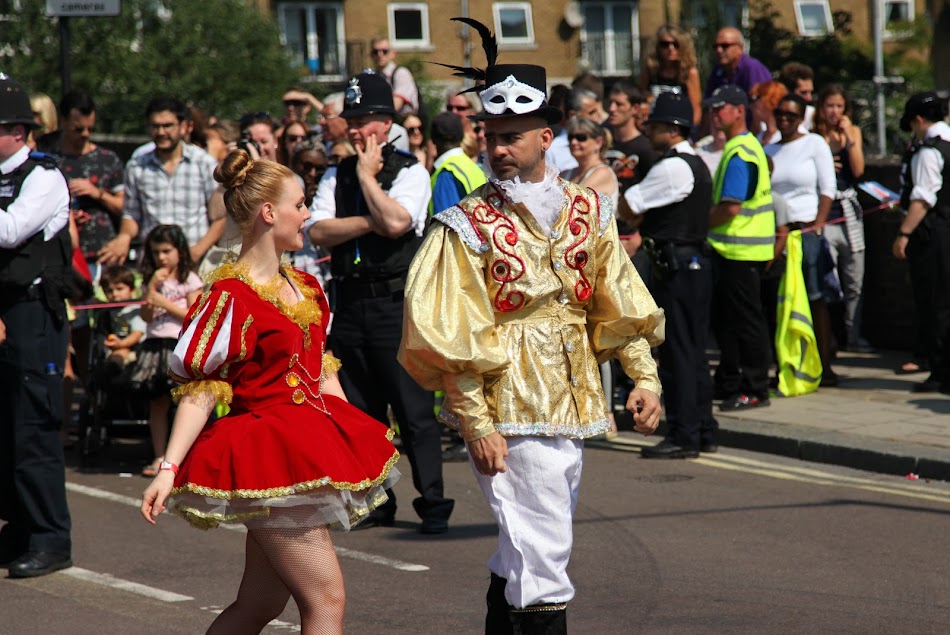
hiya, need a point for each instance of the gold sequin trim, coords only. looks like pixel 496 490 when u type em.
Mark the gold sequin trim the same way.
pixel 205 520
pixel 298 488
pixel 304 312
pixel 206 335
pixel 329 366
pixel 221 390
pixel 227 365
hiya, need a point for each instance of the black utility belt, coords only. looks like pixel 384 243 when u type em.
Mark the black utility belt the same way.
pixel 355 288
pixel 13 295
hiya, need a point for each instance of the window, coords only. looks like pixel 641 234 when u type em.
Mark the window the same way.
pixel 610 39
pixel 814 17
pixel 513 24
pixel 408 25
pixel 313 34
pixel 897 13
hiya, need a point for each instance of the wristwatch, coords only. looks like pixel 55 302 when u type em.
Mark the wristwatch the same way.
pixel 166 465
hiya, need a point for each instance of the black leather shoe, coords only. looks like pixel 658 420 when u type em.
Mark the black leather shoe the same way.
pixel 708 447
pixel 377 519
pixel 743 402
pixel 432 526
pixel 929 385
pixel 36 563
pixel 666 449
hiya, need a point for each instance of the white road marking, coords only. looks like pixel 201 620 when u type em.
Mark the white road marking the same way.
pixel 399 565
pixel 279 625
pixel 125 585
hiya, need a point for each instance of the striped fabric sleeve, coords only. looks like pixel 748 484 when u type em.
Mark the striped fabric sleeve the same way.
pixel 216 334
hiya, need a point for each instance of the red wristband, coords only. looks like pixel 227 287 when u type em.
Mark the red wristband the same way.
pixel 165 465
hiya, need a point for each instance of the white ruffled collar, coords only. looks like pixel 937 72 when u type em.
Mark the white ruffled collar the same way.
pixel 544 200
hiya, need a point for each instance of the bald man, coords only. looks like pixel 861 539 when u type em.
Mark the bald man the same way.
pixel 733 66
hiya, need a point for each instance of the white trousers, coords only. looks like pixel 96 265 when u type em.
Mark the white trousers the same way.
pixel 533 504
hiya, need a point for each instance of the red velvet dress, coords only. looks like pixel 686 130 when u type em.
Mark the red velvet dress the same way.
pixel 286 455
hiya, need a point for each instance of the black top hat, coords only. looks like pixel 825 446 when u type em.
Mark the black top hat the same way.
pixel 15 103
pixel 506 90
pixel 672 107
pixel 927 105
pixel 368 94
pixel 513 90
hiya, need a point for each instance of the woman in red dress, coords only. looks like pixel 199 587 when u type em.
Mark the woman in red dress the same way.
pixel 293 458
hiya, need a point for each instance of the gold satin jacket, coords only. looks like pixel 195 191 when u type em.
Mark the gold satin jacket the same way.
pixel 512 324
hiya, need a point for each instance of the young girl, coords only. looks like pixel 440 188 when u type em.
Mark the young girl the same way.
pixel 171 288
pixel 292 457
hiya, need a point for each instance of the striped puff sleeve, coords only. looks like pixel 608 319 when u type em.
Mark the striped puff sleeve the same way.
pixel 216 334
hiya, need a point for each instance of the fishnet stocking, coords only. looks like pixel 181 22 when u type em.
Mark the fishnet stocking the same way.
pixel 261 598
pixel 307 566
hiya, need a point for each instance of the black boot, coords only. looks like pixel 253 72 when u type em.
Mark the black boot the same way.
pixel 497 621
pixel 540 619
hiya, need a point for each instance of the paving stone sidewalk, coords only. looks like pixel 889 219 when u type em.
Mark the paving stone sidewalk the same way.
pixel 871 421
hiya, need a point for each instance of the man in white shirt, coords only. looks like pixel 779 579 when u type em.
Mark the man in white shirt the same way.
pixel 405 92
pixel 370 211
pixel 671 207
pixel 924 234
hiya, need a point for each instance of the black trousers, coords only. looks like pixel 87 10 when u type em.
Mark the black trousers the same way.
pixel 365 337
pixel 740 328
pixel 32 465
pixel 685 296
pixel 928 254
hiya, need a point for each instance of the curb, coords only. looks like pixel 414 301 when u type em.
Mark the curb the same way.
pixel 832 448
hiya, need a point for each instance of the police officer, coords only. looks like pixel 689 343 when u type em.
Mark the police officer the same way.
pixel 34 264
pixel 924 234
pixel 370 212
pixel 672 205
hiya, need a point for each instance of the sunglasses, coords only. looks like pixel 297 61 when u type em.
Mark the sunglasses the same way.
pixel 477 129
pixel 82 129
pixel 451 108
pixel 380 51
pixel 319 167
pixel 786 114
pixel 414 130
pixel 725 45
pixel 668 44
pixel 294 138
pixel 580 136
pixel 297 103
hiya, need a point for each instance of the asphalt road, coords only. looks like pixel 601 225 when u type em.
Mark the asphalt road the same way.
pixel 734 542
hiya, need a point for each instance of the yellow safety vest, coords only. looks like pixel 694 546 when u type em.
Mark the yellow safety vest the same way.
pixel 799 366
pixel 465 170
pixel 750 235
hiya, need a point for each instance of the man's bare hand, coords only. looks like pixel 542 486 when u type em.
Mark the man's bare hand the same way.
pixel 645 406
pixel 116 251
pixel 370 158
pixel 489 454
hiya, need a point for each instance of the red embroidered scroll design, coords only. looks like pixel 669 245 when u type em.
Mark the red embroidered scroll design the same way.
pixel 504 236
pixel 579 225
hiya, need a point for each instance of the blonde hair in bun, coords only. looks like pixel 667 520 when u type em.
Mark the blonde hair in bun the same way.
pixel 249 184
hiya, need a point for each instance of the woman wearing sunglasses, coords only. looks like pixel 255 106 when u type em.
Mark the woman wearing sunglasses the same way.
pixel 804 176
pixel 671 67
pixel 417 138
pixel 292 135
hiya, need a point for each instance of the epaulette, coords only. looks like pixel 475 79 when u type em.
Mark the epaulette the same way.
pixel 45 159
pixel 458 221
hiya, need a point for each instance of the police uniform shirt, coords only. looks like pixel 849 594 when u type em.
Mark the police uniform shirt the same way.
pixel 669 181
pixel 927 167
pixel 42 204
pixel 412 189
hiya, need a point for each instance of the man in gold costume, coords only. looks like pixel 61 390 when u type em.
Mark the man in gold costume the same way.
pixel 516 296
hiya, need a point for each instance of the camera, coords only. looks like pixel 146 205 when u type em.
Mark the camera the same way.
pixel 245 143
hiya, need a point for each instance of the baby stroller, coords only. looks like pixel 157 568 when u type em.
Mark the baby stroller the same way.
pixel 111 397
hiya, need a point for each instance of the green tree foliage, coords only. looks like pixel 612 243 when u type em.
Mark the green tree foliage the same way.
pixel 222 55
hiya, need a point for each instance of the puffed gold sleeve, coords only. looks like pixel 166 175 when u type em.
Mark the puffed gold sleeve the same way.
pixel 623 321
pixel 449 339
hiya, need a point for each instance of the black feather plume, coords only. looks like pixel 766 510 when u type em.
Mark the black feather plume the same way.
pixel 465 71
pixel 489 44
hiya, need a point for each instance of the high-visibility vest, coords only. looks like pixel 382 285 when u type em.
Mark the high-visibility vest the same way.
pixel 799 366
pixel 750 235
pixel 465 170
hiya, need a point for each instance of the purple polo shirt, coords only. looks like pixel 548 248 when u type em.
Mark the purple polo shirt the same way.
pixel 749 73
